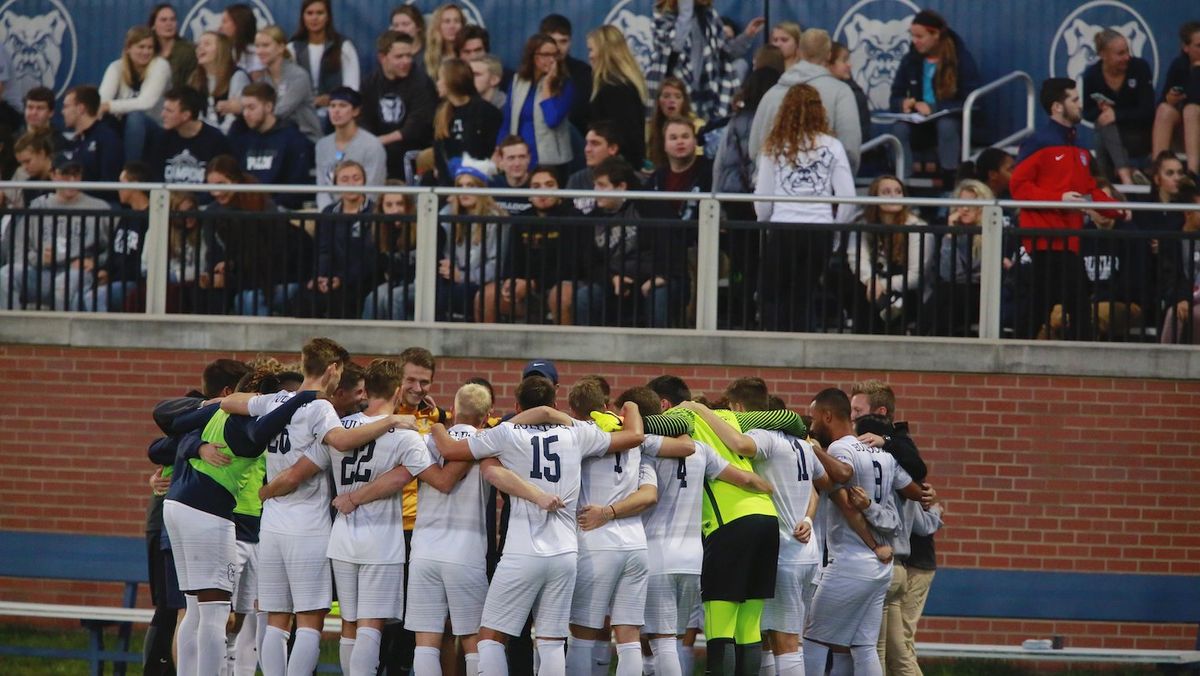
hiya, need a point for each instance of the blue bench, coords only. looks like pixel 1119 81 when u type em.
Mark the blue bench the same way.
pixel 90 558
pixel 1087 597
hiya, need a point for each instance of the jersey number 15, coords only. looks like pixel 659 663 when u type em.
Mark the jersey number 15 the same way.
pixel 552 472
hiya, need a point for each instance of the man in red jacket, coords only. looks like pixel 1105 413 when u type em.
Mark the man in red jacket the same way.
pixel 1052 168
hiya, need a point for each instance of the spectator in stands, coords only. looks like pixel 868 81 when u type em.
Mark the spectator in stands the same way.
pixel 993 167
pixel 618 90
pixel 472 42
pixel 839 66
pixel 95 146
pixel 398 102
pixel 120 273
pixel 799 158
pixel 219 80
pixel 179 52
pixel 329 58
pixel 685 171
pixel 539 103
pixel 1116 278
pixel 348 142
pixel 953 307
pixel 271 150
pixel 39 115
pixel 293 88
pixel 1177 108
pixel 673 101
pixel 535 263
pixel 471 256
pixel 394 297
pixel 188 143
pixel 513 152
pixel 768 56
pixel 408 19
pixel 734 168
pixel 444 25
pixel 488 71
pixel 1184 256
pixel 1156 262
pixel 893 269
pixel 35 155
pixel 345 251
pixel 239 25
pixel 583 100
pixel 691 45
pixel 464 124
pixel 785 36
pixel 191 256
pixel 1120 103
pixel 836 97
pixel 1051 166
pixel 935 76
pixel 132 90
pixel 601 142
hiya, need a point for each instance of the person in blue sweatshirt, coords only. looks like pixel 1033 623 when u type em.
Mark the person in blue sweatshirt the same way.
pixel 271 150
pixel 346 252
pixel 121 273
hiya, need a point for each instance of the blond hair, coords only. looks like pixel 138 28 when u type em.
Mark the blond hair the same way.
pixel 223 68
pixel 276 33
pixel 615 64
pixel 485 205
pixel 133 36
pixel 982 192
pixel 436 48
pixel 471 404
pixel 815 46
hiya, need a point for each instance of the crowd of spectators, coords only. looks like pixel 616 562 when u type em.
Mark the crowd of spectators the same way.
pixel 265 104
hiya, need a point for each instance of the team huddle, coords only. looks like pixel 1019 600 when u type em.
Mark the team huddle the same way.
pixel 641 520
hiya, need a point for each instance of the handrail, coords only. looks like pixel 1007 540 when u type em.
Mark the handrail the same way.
pixel 897 152
pixel 969 104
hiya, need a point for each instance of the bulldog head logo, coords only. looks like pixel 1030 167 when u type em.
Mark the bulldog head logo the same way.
pixel 638 30
pixel 876 33
pixel 40 37
pixel 1074 47
pixel 206 16
pixel 470 11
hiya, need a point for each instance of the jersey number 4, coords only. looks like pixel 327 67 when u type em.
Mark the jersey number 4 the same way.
pixel 552 472
pixel 352 465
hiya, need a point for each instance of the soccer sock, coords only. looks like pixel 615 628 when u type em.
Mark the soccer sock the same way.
pixel 273 653
pixel 306 650
pixel 492 660
pixel 365 658
pixel 427 661
pixel 687 658
pixel 345 650
pixel 210 636
pixel 579 656
pixel 789 664
pixel 260 629
pixel 768 663
pixel 553 659
pixel 666 658
pixel 601 657
pixel 245 647
pixel 815 656
pixel 188 630
pixel 748 658
pixel 721 657
pixel 842 665
pixel 629 659
pixel 866 660
pixel 230 654
pixel 472 662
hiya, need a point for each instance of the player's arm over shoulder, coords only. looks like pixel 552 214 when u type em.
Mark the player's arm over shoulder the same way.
pixel 343 439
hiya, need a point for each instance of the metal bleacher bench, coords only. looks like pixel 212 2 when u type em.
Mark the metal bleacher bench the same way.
pixel 1080 597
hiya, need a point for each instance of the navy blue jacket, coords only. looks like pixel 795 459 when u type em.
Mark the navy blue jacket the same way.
pixel 280 156
pixel 910 77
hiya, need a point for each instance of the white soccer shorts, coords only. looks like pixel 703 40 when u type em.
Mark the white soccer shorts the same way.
pixel 373 591
pixel 437 589
pixel 610 583
pixel 245 582
pixel 847 611
pixel 204 546
pixel 671 598
pixel 785 612
pixel 293 573
pixel 543 584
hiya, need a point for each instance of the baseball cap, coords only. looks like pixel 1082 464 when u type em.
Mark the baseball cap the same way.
pixel 541 367
pixel 347 94
pixel 65 163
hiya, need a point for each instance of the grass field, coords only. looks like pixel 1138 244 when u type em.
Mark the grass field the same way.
pixel 77 638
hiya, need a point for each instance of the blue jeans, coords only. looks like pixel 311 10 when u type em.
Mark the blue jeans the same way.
pixel 455 300
pixel 108 297
pixel 253 302
pixel 654 309
pixel 390 302
pixel 139 129
pixel 949 140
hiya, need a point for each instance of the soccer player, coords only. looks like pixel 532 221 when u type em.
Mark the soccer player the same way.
pixel 295 521
pixel 848 606
pixel 539 563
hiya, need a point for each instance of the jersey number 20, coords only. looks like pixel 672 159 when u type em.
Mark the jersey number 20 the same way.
pixel 552 472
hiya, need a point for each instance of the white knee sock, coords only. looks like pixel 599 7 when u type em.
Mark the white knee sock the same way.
pixel 842 665
pixel 815 656
pixel 789 664
pixel 427 661
pixel 365 658
pixel 189 636
pixel 260 629
pixel 472 661
pixel 245 651
pixel 666 657
pixel 345 650
pixel 273 653
pixel 601 657
pixel 210 637
pixel 579 656
pixel 866 660
pixel 629 659
pixel 767 667
pixel 554 660
pixel 492 660
pixel 306 650
pixel 687 658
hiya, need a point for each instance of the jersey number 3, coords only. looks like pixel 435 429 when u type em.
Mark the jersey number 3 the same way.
pixel 552 472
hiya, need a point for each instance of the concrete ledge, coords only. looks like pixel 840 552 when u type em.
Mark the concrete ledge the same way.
pixel 718 348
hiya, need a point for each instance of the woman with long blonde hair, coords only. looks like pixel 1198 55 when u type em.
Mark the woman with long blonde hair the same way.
pixel 219 79
pixel 954 306
pixel 442 31
pixel 293 86
pixel 618 90
pixel 471 255
pixel 786 36
pixel 133 87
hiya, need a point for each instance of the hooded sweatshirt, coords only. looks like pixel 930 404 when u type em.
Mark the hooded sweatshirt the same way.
pixel 837 97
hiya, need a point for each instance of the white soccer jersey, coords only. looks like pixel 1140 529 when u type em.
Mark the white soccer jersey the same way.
pixel 549 457
pixel 606 481
pixel 790 466
pixel 304 511
pixel 374 532
pixel 673 525
pixel 451 527
pixel 876 472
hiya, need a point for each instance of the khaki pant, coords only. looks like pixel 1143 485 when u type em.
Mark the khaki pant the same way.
pixel 903 659
pixel 891 630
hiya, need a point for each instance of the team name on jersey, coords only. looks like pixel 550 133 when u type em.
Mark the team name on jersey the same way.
pixel 540 428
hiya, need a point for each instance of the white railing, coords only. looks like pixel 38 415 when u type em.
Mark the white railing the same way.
pixel 969 105
pixel 899 160
pixel 708 233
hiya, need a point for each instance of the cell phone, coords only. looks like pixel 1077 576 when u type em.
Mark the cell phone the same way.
pixel 1102 99
pixel 1088 198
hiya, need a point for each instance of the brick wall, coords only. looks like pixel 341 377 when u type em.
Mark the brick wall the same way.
pixel 1050 473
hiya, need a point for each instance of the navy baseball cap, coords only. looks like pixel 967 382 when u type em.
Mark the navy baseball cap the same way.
pixel 541 367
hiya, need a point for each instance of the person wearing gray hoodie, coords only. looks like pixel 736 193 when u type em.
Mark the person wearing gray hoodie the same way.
pixel 836 96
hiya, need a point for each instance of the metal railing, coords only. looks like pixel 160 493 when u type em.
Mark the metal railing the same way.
pixel 899 160
pixel 706 241
pixel 969 105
